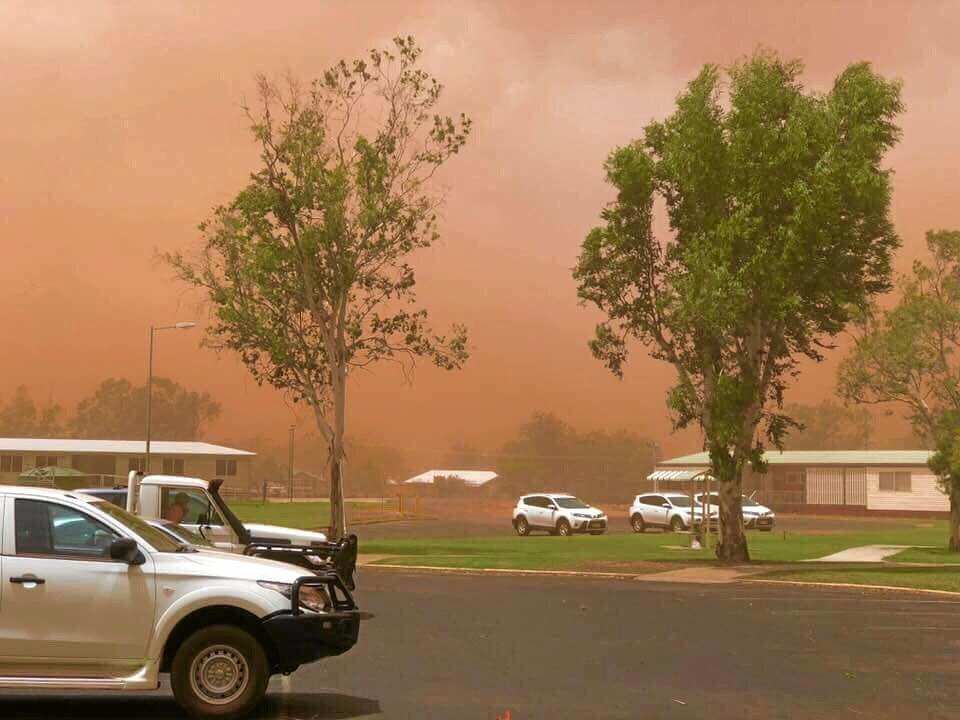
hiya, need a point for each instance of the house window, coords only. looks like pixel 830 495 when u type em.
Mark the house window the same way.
pixel 896 482
pixel 173 466
pixel 11 463
pixel 137 464
pixel 47 461
pixel 95 464
pixel 226 468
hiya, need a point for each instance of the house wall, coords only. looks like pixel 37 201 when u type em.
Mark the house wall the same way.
pixel 840 489
pixel 201 466
pixel 924 495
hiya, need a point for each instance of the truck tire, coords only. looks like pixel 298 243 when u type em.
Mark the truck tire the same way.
pixel 219 672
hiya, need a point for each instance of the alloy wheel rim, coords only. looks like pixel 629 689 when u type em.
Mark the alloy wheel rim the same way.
pixel 219 675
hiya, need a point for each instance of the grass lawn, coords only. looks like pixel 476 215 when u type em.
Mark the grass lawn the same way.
pixel 906 577
pixel 622 551
pixel 305 515
pixel 938 554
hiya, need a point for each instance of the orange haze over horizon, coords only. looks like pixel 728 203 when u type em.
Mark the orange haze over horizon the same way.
pixel 121 127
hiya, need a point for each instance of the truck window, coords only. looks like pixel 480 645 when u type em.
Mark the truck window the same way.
pixel 187 506
pixel 44 528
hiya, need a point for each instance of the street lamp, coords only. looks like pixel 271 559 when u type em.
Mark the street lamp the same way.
pixel 175 326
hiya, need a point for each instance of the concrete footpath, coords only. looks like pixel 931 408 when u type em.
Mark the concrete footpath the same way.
pixel 865 553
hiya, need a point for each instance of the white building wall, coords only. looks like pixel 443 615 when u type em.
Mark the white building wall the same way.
pixel 824 486
pixel 924 494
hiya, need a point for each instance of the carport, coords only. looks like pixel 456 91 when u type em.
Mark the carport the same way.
pixel 678 480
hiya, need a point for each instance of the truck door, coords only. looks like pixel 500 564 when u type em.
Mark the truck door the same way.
pixel 69 609
pixel 195 510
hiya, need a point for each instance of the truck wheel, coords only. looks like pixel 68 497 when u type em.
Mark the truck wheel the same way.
pixel 219 672
pixel 522 526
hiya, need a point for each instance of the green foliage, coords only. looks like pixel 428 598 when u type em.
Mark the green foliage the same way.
pixel 21 417
pixel 908 355
pixel 779 232
pixel 307 267
pixel 117 410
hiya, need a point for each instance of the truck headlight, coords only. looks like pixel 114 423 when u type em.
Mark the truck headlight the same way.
pixel 311 597
pixel 314 598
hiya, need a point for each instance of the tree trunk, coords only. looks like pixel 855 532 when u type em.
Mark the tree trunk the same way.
pixel 954 516
pixel 338 522
pixel 338 519
pixel 733 540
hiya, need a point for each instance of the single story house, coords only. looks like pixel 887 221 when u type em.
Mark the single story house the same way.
pixel 103 462
pixel 892 481
pixel 473 478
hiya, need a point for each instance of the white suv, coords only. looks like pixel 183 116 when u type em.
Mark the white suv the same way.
pixel 755 515
pixel 670 511
pixel 558 514
pixel 95 598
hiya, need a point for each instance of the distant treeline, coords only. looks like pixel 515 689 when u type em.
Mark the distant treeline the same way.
pixel 116 410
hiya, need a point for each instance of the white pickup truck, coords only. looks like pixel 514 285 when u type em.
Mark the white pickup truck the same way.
pixel 95 598
pixel 198 506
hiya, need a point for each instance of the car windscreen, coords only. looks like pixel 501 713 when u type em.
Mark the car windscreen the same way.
pixel 680 501
pixel 749 502
pixel 186 535
pixel 155 538
pixel 570 503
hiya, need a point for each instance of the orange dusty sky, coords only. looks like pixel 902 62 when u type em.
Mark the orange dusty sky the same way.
pixel 121 127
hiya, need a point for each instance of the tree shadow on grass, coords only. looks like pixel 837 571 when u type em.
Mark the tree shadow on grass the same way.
pixel 293 706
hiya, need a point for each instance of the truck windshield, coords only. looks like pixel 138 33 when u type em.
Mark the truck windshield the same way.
pixel 155 538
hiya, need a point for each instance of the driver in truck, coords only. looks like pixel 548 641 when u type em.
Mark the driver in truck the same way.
pixel 177 509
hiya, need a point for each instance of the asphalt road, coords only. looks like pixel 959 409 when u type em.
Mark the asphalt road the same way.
pixel 463 647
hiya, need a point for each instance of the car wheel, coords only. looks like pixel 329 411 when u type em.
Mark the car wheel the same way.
pixel 219 672
pixel 636 522
pixel 563 528
pixel 676 524
pixel 523 527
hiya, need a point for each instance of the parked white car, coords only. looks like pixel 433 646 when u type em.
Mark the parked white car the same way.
pixel 755 515
pixel 95 598
pixel 671 511
pixel 558 514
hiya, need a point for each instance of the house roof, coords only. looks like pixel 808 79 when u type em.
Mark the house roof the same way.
pixel 469 477
pixel 821 457
pixel 115 447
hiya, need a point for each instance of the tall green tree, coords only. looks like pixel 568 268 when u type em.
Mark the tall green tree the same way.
pixel 910 355
pixel 778 204
pixel 117 410
pixel 20 416
pixel 308 267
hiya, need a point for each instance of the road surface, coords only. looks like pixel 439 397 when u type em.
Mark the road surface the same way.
pixel 464 647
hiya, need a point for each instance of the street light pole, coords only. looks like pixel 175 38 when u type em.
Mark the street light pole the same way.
pixel 175 326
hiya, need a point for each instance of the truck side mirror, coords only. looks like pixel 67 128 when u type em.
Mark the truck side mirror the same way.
pixel 126 549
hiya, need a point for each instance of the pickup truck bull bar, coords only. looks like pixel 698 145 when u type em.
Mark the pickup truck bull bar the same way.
pixel 323 557
pixel 297 637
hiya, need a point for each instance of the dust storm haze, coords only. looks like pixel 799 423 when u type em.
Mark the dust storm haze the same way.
pixel 121 128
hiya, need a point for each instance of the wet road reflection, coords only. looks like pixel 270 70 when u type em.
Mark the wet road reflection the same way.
pixel 293 706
